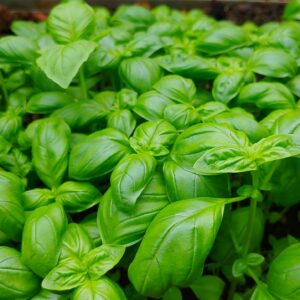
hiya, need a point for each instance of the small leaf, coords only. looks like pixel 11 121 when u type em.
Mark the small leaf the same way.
pixel 69 274
pixel 254 259
pixel 102 259
pixel 239 267
pixel 130 177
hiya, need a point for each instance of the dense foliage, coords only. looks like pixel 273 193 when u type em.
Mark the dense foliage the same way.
pixel 149 154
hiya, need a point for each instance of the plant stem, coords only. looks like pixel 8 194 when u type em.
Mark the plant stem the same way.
pixel 3 87
pixel 232 289
pixel 83 84
pixel 251 217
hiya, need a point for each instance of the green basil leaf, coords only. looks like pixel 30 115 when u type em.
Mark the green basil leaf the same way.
pixel 98 154
pixel 293 85
pixel 128 228
pixel 17 281
pixel 50 149
pixel 181 115
pixel 127 98
pixel 210 109
pixel 47 295
pixel 285 182
pixel 75 242
pixel 273 62
pixel 17 50
pixel 208 287
pixel 267 95
pixel 12 216
pixel 102 259
pixel 10 125
pixel 197 139
pixel 150 105
pixel 77 196
pixel 235 225
pixel 143 45
pixel 130 177
pixel 221 39
pixel 172 293
pixel 61 63
pixel 137 16
pixel 190 66
pixel 283 276
pixel 122 120
pixel 241 120
pixel 292 11
pixel 272 117
pixel 101 289
pixel 287 123
pixel 228 85
pixel 182 184
pixel 17 101
pixel 176 88
pixel 276 147
pixel 89 223
pixel 226 159
pixel 261 293
pixel 47 102
pixel 153 137
pixel 68 274
pixel 35 198
pixel 90 112
pixel 140 73
pixel 28 29
pixel 190 227
pixel 69 22
pixel 42 238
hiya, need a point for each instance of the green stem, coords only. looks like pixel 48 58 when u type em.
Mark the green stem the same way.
pixel 83 84
pixel 232 289
pixel 253 276
pixel 251 217
pixel 3 87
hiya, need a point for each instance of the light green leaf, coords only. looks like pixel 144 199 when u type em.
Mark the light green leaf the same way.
pixel 61 63
pixel 17 281
pixel 68 274
pixel 101 289
pixel 17 50
pixel 102 259
pixel 72 21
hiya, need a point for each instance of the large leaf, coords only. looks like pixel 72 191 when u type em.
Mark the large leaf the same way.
pixel 98 154
pixel 69 22
pixel 61 63
pixel 101 289
pixel 42 238
pixel 69 274
pixel 50 149
pixel 182 184
pixel 130 177
pixel 273 62
pixel 76 242
pixel 128 228
pixel 267 95
pixel 17 50
pixel 17 281
pixel 284 273
pixel 12 216
pixel 196 140
pixel 77 196
pixel 176 245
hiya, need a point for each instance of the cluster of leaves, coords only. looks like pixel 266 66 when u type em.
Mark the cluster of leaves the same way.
pixel 150 143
